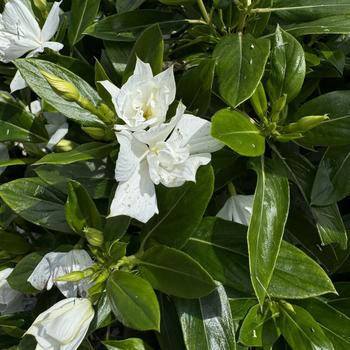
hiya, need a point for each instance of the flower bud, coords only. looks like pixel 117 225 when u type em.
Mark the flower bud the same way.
pixel 71 277
pixel 305 124
pixel 62 87
pixel 93 236
pixel 259 101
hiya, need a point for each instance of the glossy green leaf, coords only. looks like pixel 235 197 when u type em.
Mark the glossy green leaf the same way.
pixel 297 276
pixel 220 247
pixel 40 203
pixel 30 69
pixel 177 2
pixel 128 26
pixel 126 5
pixel 238 132
pixel 14 243
pixel 87 151
pixel 17 124
pixel 149 48
pixel 266 228
pixel 127 344
pixel 336 130
pixel 241 62
pixel 194 87
pixel 24 268
pixel 83 12
pixel 331 182
pixel 301 330
pixel 335 324
pixel 133 301
pixel 175 273
pixel 287 66
pixel 207 324
pixel 180 210
pixel 80 209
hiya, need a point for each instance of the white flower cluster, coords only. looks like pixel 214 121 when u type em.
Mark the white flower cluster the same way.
pixel 152 150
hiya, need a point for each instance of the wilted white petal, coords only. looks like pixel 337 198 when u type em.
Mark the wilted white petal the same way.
pixel 166 82
pixel 64 325
pixel 17 83
pixel 131 152
pixel 57 128
pixel 238 208
pixel 136 197
pixel 51 24
pixel 195 131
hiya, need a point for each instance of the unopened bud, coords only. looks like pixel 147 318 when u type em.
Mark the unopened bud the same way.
pixel 259 101
pixel 65 146
pixel 107 113
pixel 306 123
pixel 62 87
pixel 93 236
pixel 71 277
pixel 100 277
pixel 287 137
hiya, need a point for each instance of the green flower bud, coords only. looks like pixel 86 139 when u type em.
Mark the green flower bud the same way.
pixel 62 87
pixel 94 236
pixel 305 124
pixel 71 277
pixel 259 101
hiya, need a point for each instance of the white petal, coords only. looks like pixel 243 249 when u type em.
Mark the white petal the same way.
pixel 166 82
pixel 238 208
pixel 52 21
pixel 35 107
pixel 195 132
pixel 161 132
pixel 111 88
pixel 17 83
pixel 136 197
pixel 142 70
pixel 53 45
pixel 130 154
pixel 59 133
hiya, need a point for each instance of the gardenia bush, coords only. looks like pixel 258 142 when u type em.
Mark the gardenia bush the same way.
pixel 174 174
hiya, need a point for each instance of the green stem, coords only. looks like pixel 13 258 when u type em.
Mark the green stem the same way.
pixel 203 11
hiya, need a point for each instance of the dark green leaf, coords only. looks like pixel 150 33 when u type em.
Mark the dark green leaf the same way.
pixel 240 66
pixel 83 12
pixel 133 301
pixel 39 204
pixel 127 344
pixel 238 132
pixel 13 243
pixel 127 5
pixel 181 210
pixel 269 216
pixel 174 272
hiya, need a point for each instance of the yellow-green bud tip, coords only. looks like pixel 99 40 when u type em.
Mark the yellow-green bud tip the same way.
pixel 62 87
pixel 93 236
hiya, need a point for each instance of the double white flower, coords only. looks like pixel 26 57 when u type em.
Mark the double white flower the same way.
pixel 54 265
pixel 20 34
pixel 167 153
pixel 63 326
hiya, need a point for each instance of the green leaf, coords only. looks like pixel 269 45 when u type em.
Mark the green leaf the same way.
pixel 297 276
pixel 335 324
pixel 331 183
pixel 16 124
pixel 24 268
pixel 175 273
pixel 336 130
pixel 180 210
pixel 287 66
pixel 194 87
pixel 236 131
pixel 177 2
pixel 301 331
pixel 126 5
pixel 127 344
pixel 220 247
pixel 87 151
pixel 83 12
pixel 13 243
pixel 39 203
pixel 80 209
pixel 241 61
pixel 207 324
pixel 149 48
pixel 269 216
pixel 30 70
pixel 128 26
pixel 133 301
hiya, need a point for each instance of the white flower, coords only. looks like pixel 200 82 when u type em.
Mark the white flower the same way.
pixel 20 34
pixel 11 300
pixel 144 99
pixel 54 265
pixel 63 326
pixel 150 157
pixel 238 208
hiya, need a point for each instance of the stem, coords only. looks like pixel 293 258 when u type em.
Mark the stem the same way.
pixel 203 11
